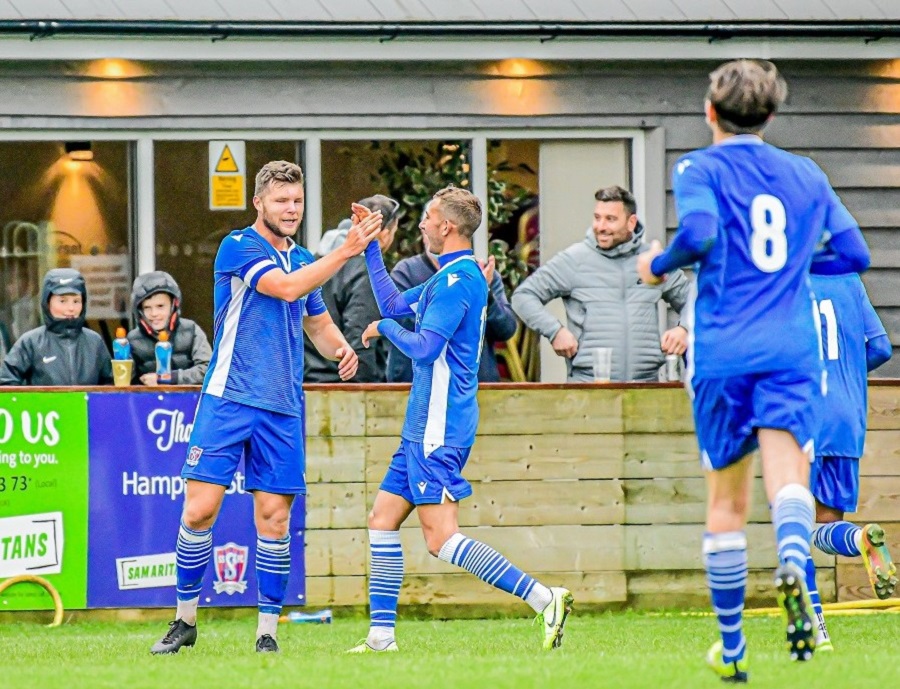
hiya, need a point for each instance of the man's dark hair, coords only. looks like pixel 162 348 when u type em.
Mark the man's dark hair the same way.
pixel 617 193
pixel 390 208
pixel 745 94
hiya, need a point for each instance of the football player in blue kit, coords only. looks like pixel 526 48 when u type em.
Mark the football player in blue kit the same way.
pixel 425 474
pixel 854 342
pixel 251 405
pixel 751 215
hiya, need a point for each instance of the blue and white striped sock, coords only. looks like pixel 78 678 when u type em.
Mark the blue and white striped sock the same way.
pixel 814 596
pixel 192 552
pixel 838 538
pixel 491 567
pixel 793 516
pixel 725 559
pixel 273 567
pixel 385 578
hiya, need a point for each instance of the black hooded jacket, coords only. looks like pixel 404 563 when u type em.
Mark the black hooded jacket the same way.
pixel 62 351
pixel 191 352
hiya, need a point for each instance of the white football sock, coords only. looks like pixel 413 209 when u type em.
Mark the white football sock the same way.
pixel 187 610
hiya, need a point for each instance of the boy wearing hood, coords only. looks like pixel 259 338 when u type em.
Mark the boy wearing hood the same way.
pixel 156 300
pixel 62 351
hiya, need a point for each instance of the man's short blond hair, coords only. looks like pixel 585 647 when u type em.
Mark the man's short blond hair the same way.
pixel 461 207
pixel 745 94
pixel 277 172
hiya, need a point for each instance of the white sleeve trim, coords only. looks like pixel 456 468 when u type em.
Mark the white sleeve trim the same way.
pixel 248 278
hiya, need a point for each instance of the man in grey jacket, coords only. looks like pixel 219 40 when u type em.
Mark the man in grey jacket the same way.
pixel 606 304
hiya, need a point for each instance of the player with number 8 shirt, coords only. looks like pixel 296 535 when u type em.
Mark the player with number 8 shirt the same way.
pixel 756 219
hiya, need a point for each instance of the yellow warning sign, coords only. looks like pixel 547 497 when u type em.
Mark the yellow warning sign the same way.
pixel 227 162
pixel 227 175
pixel 226 192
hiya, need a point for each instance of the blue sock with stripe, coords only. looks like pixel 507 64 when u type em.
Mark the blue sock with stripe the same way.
pixel 814 596
pixel 812 587
pixel 193 550
pixel 725 559
pixel 838 538
pixel 385 578
pixel 273 567
pixel 494 569
pixel 793 516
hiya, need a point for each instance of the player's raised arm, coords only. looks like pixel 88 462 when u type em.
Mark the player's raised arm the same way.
pixel 391 302
pixel 291 286
pixel 842 253
pixel 843 248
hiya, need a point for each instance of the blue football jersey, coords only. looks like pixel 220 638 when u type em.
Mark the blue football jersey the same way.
pixel 443 407
pixel 753 308
pixel 848 321
pixel 257 356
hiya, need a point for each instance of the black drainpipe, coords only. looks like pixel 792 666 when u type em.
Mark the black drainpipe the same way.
pixel 216 30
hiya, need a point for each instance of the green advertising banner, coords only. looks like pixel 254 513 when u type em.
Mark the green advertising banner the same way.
pixel 44 496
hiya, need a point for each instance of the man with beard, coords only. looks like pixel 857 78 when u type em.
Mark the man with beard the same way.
pixel 606 304
pixel 266 294
pixel 425 474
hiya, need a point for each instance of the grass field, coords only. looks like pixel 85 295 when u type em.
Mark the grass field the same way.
pixel 609 650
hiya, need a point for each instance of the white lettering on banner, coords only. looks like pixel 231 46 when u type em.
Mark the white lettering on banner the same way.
pixel 40 429
pixel 31 544
pixel 7 426
pixel 136 484
pixel 169 426
pixel 146 571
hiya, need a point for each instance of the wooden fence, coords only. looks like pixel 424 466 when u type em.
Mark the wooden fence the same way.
pixel 596 488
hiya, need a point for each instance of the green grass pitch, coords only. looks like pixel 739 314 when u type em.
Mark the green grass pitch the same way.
pixel 600 650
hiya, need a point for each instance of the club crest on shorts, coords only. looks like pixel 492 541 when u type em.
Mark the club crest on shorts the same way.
pixel 193 457
pixel 231 568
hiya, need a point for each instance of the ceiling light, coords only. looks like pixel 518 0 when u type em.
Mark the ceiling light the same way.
pixel 79 150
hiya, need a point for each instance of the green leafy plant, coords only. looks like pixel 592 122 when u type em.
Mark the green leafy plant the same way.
pixel 412 171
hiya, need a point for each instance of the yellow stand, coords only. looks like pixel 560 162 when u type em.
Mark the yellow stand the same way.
pixel 47 586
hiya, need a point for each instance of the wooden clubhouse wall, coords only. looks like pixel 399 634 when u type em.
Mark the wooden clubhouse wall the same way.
pixel 596 488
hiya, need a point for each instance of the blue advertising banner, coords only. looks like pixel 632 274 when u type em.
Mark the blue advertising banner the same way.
pixel 138 444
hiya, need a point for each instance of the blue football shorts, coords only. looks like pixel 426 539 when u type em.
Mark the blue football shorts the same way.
pixel 427 480
pixel 835 482
pixel 271 444
pixel 728 412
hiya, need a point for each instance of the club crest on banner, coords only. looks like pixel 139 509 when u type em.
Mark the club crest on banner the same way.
pixel 231 568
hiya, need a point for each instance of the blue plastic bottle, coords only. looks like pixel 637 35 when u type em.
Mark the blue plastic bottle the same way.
pixel 163 359
pixel 121 346
pixel 297 617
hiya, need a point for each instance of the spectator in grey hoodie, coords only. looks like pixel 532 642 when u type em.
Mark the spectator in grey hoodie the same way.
pixel 62 351
pixel 351 302
pixel 606 304
pixel 156 301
